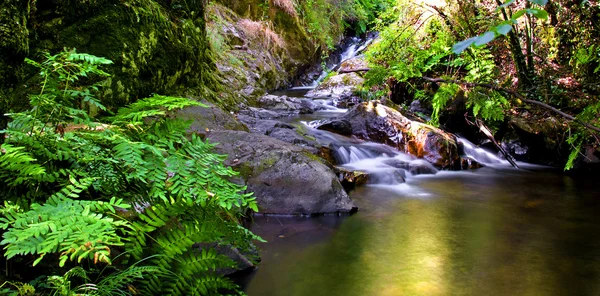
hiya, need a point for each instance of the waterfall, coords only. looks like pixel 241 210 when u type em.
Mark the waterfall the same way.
pixel 356 46
pixel 479 154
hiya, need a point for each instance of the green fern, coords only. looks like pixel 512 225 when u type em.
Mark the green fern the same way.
pixel 75 229
pixel 62 170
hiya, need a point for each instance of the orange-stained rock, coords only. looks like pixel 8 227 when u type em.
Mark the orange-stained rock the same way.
pixel 378 123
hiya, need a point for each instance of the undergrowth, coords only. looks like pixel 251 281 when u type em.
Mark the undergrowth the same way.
pixel 127 198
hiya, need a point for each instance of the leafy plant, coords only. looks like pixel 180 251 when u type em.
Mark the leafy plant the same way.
pixel 504 27
pixel 133 183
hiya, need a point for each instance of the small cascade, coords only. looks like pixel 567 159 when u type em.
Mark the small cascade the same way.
pixel 356 46
pixel 350 154
pixel 479 154
pixel 384 164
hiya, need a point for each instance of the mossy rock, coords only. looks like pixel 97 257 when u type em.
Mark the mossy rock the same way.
pixel 155 47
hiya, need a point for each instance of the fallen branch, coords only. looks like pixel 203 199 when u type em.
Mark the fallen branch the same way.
pixel 517 95
pixel 354 70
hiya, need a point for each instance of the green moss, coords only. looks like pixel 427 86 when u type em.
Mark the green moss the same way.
pixel 155 48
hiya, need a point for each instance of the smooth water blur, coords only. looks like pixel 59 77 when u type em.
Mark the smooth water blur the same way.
pixel 484 232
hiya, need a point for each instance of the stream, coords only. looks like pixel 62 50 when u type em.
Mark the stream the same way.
pixel 491 231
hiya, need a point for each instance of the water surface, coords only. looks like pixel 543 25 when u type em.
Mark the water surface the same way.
pixel 483 232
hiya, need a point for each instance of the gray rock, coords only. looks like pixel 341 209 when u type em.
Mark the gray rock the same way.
pixel 285 103
pixel 211 118
pixel 417 106
pixel 415 167
pixel 338 126
pixel 291 136
pixel 255 125
pixel 261 113
pixel 338 86
pixel 284 178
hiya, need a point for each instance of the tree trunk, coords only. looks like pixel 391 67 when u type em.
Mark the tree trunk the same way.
pixel 523 71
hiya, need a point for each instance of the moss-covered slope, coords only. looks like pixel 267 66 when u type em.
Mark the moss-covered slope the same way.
pixel 157 46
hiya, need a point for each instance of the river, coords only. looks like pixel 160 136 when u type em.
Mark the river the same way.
pixel 491 231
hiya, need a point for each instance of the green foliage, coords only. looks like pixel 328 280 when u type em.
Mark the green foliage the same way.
pixel 444 94
pixel 575 140
pixel 322 21
pixel 585 56
pixel 75 229
pixel 503 28
pixel 362 14
pixel 70 179
pixel 113 284
pixel 579 135
pixel 404 52
pixel 413 47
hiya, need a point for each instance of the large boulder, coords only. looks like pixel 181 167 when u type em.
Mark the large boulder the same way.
pixel 357 64
pixel 285 179
pixel 211 118
pixel 378 123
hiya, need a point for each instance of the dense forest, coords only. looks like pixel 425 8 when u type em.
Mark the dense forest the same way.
pixel 141 138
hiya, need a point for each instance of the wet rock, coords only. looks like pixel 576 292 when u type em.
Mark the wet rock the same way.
pixel 291 136
pixel 467 163
pixel 591 154
pixel 417 106
pixel 208 119
pixel 378 123
pixel 284 178
pixel 538 139
pixel 255 125
pixel 348 102
pixel 327 154
pixel 287 104
pixel 415 167
pixel 353 64
pixel 517 149
pixel 350 179
pixel 261 113
pixel 339 86
pixel 342 127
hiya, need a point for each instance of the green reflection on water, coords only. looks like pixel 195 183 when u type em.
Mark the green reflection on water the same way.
pixel 473 235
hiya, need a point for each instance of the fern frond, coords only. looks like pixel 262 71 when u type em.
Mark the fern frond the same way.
pixel 156 105
pixel 92 59
pixel 67 226
pixel 115 283
pixel 18 166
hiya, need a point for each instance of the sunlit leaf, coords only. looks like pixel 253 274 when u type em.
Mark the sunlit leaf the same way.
pixel 518 14
pixel 461 46
pixel 503 29
pixel 539 2
pixel 539 13
pixel 485 38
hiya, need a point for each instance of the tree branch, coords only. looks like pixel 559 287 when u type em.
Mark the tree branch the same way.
pixel 517 95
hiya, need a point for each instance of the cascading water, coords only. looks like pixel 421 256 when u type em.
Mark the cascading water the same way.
pixel 385 165
pixel 356 46
pixel 478 154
